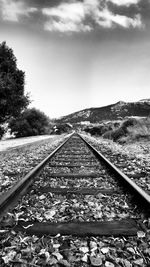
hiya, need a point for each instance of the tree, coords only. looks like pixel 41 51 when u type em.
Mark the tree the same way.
pixel 12 98
pixel 30 122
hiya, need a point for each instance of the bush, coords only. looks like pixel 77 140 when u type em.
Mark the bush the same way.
pixel 116 125
pixel 30 122
pixel 120 132
pixel 114 134
pixel 127 123
pixel 94 130
pixel 2 131
pixel 107 135
pixel 130 130
pixel 61 128
pixel 140 130
pixel 98 130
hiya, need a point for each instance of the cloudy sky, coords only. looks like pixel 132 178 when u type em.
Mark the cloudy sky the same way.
pixel 79 53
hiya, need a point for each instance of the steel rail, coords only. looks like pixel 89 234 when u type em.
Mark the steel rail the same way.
pixel 9 197
pixel 121 227
pixel 143 197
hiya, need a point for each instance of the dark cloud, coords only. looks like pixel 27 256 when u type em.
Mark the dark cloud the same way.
pixel 142 8
pixel 129 11
pixel 47 3
pixel 43 3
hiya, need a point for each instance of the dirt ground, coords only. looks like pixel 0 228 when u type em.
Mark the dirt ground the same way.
pixel 11 143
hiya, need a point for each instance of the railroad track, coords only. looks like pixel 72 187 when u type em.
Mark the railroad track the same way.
pixel 75 191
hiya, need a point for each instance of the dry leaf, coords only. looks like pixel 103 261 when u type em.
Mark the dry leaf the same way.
pixel 84 249
pixel 49 214
pixel 96 261
pixel 58 255
pixel 10 256
pixel 56 245
pixel 85 258
pixel 42 197
pixel 131 250
pixel 105 250
pixel 64 263
pixel 3 231
pixel 126 263
pixel 109 264
pixel 140 234
pixel 139 262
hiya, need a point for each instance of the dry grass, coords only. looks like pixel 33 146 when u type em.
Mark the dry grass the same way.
pixel 141 130
pixel 130 130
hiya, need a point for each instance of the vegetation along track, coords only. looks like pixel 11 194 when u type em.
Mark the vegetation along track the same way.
pixel 75 191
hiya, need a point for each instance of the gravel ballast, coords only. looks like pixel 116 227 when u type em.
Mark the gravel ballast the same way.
pixel 17 162
pixel 133 159
pixel 21 250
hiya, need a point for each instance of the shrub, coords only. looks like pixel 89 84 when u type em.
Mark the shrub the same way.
pixel 2 131
pixel 120 132
pixel 116 124
pixel 140 130
pixel 107 135
pixel 130 130
pixel 30 122
pixel 98 130
pixel 61 128
pixel 114 134
pixel 127 123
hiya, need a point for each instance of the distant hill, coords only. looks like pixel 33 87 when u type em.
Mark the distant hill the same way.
pixel 111 112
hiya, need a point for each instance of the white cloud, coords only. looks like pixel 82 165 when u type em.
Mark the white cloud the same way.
pixel 108 19
pixel 66 17
pixel 70 17
pixel 124 2
pixel 11 10
pixel 66 27
pixel 73 11
pixel 73 16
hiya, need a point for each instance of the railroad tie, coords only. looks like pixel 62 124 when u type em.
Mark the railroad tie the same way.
pixel 75 148
pixel 83 229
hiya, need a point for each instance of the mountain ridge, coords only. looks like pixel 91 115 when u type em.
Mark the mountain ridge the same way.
pixel 114 111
